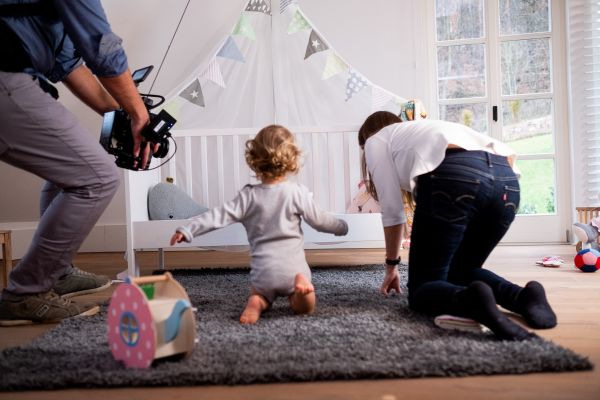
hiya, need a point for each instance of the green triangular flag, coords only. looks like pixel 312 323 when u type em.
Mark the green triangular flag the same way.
pixel 173 108
pixel 244 28
pixel 334 66
pixel 299 23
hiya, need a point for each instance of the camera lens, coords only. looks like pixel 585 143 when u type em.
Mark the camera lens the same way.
pixel 163 150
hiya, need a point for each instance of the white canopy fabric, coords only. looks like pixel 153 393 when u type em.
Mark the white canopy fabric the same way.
pixel 275 67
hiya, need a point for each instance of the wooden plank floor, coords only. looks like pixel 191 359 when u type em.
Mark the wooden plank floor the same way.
pixel 575 297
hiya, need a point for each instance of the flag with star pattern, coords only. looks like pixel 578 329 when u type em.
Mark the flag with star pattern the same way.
pixel 315 44
pixel 193 93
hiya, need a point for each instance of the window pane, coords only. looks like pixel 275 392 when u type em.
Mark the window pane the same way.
pixel 461 71
pixel 472 115
pixel 537 187
pixel 524 16
pixel 526 66
pixel 459 19
pixel 527 125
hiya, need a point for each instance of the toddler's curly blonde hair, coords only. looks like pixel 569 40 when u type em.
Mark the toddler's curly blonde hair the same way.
pixel 273 153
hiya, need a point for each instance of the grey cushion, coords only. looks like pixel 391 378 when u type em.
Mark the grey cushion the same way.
pixel 167 201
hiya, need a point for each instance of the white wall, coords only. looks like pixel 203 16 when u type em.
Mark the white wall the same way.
pixel 384 39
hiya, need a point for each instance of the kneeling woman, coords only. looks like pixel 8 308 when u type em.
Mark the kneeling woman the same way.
pixel 467 194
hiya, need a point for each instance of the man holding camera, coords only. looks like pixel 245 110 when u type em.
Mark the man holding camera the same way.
pixel 49 40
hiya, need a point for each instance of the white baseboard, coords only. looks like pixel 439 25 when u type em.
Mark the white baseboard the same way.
pixel 102 238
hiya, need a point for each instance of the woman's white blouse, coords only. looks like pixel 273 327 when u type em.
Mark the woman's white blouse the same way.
pixel 399 153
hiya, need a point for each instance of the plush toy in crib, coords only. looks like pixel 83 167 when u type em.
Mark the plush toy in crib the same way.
pixel 588 234
pixel 412 110
pixel 168 201
pixel 363 203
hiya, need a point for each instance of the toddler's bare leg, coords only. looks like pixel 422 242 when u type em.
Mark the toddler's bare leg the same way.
pixel 303 299
pixel 254 307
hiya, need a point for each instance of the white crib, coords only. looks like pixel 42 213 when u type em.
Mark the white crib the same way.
pixel 209 165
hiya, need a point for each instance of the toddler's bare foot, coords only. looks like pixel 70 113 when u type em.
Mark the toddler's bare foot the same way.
pixel 302 285
pixel 254 307
pixel 303 299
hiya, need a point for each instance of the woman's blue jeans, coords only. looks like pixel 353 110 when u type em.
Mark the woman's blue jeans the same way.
pixel 464 207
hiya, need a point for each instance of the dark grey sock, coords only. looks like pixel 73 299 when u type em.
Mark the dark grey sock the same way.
pixel 477 301
pixel 534 307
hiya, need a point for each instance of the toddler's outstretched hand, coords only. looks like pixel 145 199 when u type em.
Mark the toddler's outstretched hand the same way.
pixel 176 238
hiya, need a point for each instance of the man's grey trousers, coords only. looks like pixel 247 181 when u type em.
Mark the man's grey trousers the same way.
pixel 39 135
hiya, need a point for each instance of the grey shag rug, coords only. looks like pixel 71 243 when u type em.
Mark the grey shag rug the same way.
pixel 355 333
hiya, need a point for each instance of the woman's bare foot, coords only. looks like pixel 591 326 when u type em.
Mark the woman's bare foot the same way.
pixel 303 299
pixel 254 307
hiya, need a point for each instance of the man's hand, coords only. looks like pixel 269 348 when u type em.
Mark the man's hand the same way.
pixel 122 88
pixel 139 146
pixel 391 281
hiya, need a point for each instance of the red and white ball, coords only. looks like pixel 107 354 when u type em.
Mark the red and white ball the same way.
pixel 588 260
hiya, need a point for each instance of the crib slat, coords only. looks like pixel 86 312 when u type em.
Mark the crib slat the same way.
pixel 204 162
pixel 220 173
pixel 314 166
pixel 330 173
pixel 236 162
pixel 188 166
pixel 346 172
pixel 171 169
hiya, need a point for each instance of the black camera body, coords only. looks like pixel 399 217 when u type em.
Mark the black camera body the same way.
pixel 116 138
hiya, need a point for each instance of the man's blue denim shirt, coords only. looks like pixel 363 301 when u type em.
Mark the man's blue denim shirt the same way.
pixel 72 32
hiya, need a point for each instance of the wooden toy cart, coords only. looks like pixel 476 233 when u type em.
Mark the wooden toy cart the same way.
pixel 149 318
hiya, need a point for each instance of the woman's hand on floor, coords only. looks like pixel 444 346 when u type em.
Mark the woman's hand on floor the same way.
pixel 391 281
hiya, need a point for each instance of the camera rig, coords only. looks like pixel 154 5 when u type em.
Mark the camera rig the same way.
pixel 116 138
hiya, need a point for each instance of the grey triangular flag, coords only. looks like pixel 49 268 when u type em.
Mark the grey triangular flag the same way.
pixel 315 44
pixel 193 93
pixel 259 6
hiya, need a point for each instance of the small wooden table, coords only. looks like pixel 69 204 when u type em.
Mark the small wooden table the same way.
pixel 6 255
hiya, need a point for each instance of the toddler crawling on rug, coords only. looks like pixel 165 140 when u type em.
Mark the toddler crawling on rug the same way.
pixel 271 213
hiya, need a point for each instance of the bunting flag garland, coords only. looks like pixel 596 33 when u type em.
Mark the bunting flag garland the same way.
pixel 315 44
pixel 333 66
pixel 298 23
pixel 379 98
pixel 230 50
pixel 249 26
pixel 259 6
pixel 213 73
pixel 244 28
pixel 193 93
pixel 354 84
pixel 284 4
